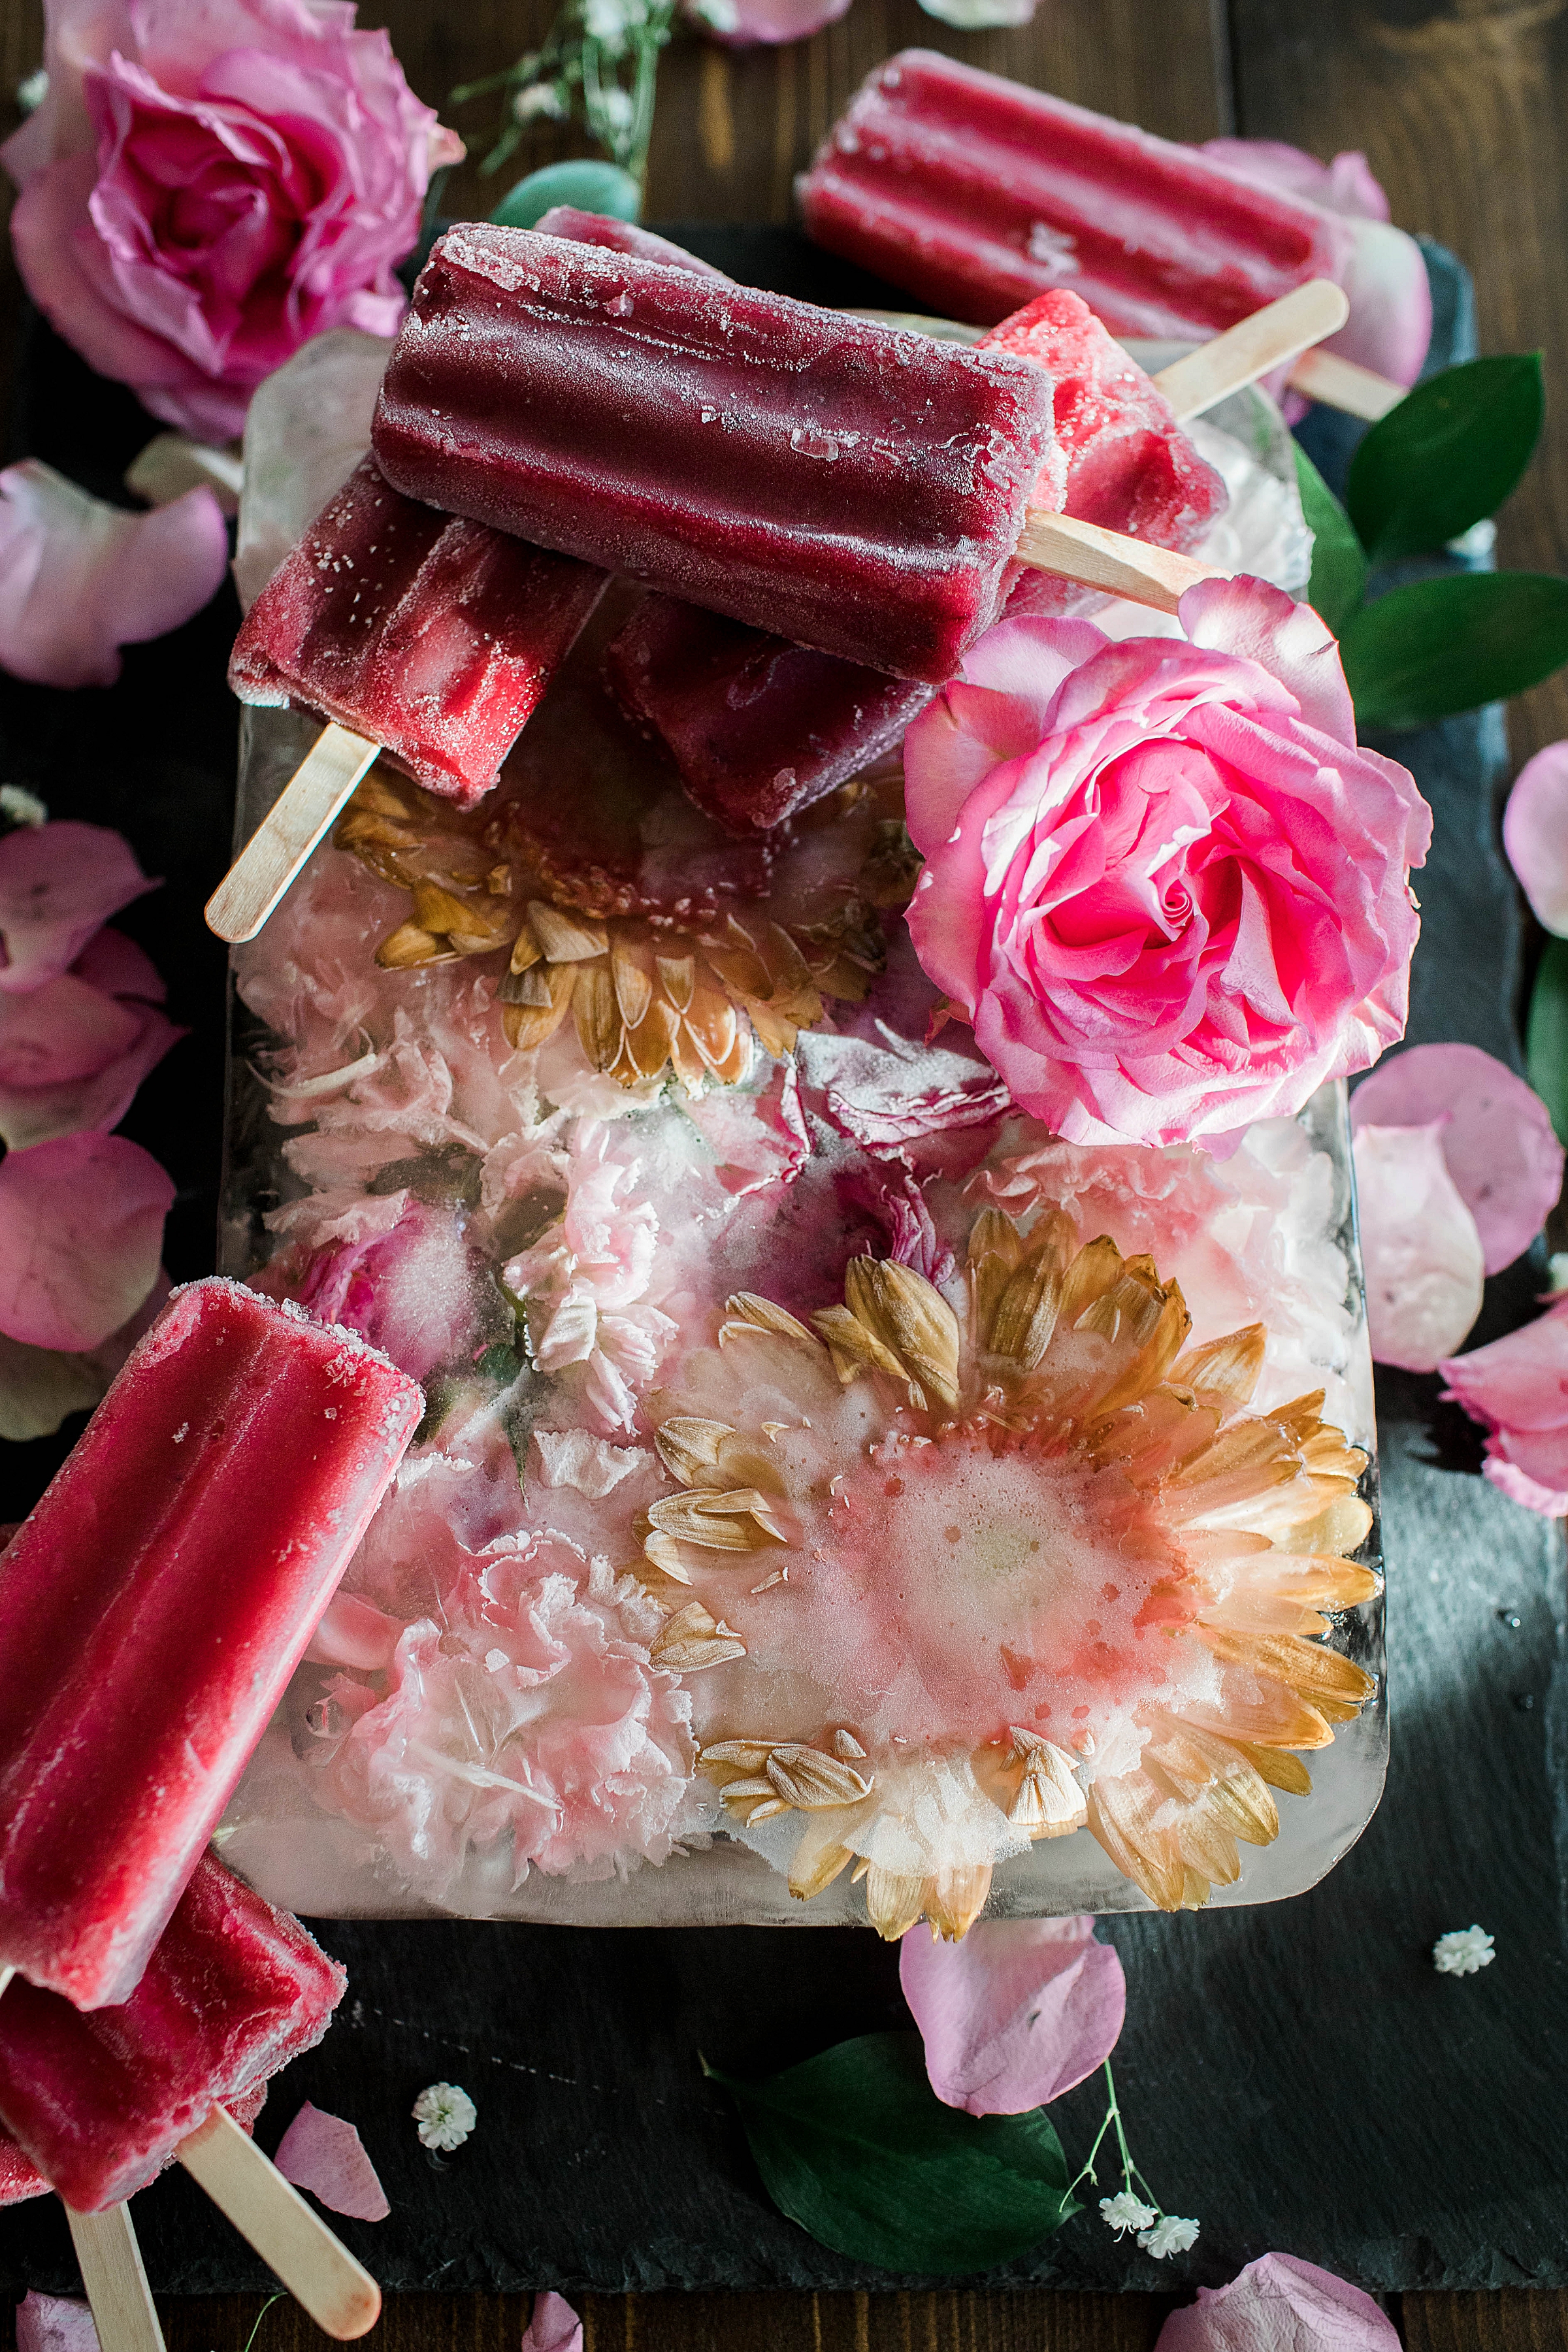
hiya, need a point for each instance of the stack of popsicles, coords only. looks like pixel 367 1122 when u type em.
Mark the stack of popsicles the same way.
pixel 152 1609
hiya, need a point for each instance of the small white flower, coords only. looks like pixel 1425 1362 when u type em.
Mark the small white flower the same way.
pixel 445 2115
pixel 1462 1951
pixel 609 21
pixel 22 807
pixel 615 106
pixel 1124 2211
pixel 32 93
pixel 540 103
pixel 1170 2235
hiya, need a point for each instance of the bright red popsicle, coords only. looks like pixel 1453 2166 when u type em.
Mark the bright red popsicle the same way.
pixel 153 1605
pixel 851 485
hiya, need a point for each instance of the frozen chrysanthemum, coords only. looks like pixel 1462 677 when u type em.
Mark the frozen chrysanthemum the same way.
pixel 445 2115
pixel 1170 2235
pixel 1124 2211
pixel 982 1573
pixel 1462 1951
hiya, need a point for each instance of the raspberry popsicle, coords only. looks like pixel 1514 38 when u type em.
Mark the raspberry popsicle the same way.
pixel 155 1604
pixel 427 639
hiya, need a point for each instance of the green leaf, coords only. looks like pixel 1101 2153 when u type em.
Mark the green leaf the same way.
pixel 857 2149
pixel 593 187
pixel 1422 652
pixel 1338 566
pixel 1447 455
pixel 1546 1038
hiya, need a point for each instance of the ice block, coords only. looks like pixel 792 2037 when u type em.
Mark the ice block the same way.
pixel 976 194
pixel 621 237
pixel 153 1605
pixel 428 635
pixel 19 2176
pixel 100 2100
pixel 853 486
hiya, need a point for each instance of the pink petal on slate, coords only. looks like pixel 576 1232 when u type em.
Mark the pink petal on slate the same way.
pixel 325 2155
pixel 1279 2305
pixel 82 1226
pixel 57 884
pixel 1535 834
pixel 1518 1389
pixel 1497 1137
pixel 54 2323
pixel 552 2327
pixel 1419 1245
pixel 79 579
pixel 1016 2014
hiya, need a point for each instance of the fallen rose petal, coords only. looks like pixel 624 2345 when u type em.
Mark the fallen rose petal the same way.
pixel 553 2326
pixel 1535 836
pixel 40 1386
pixel 82 1226
pixel 171 463
pixel 1517 1388
pixel 326 2155
pixel 1280 2304
pixel 57 884
pixel 54 2323
pixel 1016 2014
pixel 79 579
pixel 120 969
pixel 1497 1141
pixel 1420 1248
pixel 740 24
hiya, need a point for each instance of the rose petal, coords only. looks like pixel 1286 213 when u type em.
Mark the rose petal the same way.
pixel 120 969
pixel 40 1386
pixel 741 23
pixel 1420 1247
pixel 325 2155
pixel 1535 836
pixel 553 2326
pixel 1279 2303
pixel 81 1225
pixel 54 2323
pixel 79 579
pixel 1518 1389
pixel 1016 2013
pixel 71 1059
pixel 57 884
pixel 1496 1132
pixel 1289 640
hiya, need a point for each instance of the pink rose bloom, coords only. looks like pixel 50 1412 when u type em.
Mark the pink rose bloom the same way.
pixel 1383 270
pixel 1518 1389
pixel 202 189
pixel 1162 880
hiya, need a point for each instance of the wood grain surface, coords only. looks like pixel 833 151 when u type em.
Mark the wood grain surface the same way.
pixel 1461 108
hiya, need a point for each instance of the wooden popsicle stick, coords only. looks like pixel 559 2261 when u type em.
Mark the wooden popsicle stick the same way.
pixel 116 2283
pixel 265 867
pixel 1253 347
pixel 1341 383
pixel 292 2239
pixel 1108 560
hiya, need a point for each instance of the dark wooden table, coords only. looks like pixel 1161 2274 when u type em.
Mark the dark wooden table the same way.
pixel 1462 108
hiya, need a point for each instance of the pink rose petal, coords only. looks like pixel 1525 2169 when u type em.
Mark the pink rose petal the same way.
pixel 1016 2014
pixel 81 1225
pixel 1535 836
pixel 553 2326
pixel 71 1059
pixel 325 2155
pixel 79 579
pixel 1496 1132
pixel 57 884
pixel 54 2323
pixel 1279 2303
pixel 1517 1388
pixel 120 968
pixel 1420 1248
pixel 741 23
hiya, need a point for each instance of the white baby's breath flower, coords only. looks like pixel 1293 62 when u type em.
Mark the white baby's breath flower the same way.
pixel 615 106
pixel 540 103
pixel 445 2115
pixel 1124 2211
pixel 21 807
pixel 1170 2235
pixel 32 91
pixel 1462 1951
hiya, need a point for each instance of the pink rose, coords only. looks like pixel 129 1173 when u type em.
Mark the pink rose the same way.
pixel 202 189
pixel 1162 880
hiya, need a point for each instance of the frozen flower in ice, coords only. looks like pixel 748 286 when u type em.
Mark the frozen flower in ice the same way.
pixel 1124 2211
pixel 445 2115
pixel 1114 1578
pixel 1163 880
pixel 1169 2235
pixel 1463 1951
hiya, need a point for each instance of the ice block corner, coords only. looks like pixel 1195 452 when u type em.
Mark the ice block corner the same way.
pixel 425 633
pixel 154 1604
pixel 851 485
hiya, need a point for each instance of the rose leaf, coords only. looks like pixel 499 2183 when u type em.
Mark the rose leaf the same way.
pixel 1446 456
pixel 1433 647
pixel 1339 563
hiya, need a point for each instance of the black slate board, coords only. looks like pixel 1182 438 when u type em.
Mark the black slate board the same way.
pixel 1297 2075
